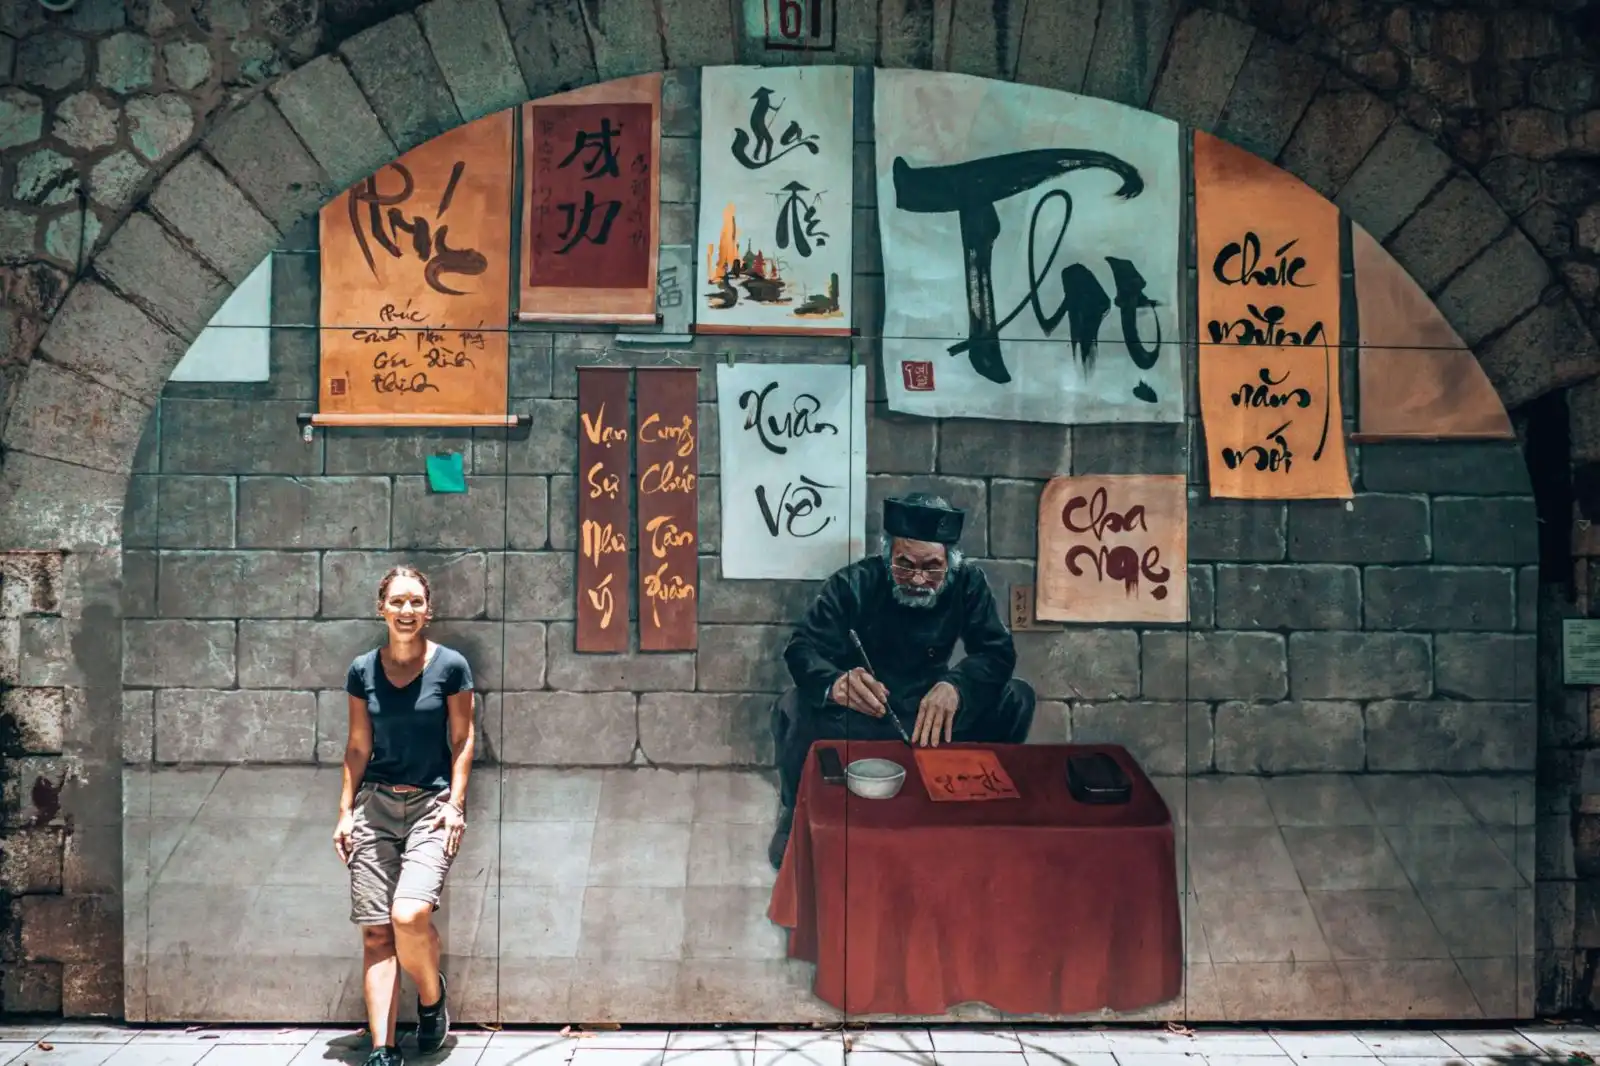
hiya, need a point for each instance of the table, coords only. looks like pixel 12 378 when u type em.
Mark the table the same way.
pixel 1037 905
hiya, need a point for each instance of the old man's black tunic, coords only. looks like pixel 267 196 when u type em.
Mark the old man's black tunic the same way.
pixel 910 649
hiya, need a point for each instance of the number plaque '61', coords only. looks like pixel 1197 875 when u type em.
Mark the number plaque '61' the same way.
pixel 800 25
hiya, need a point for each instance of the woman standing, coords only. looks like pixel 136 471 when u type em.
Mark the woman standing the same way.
pixel 401 812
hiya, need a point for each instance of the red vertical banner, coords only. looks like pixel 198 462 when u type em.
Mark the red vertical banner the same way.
pixel 667 436
pixel 603 512
pixel 592 203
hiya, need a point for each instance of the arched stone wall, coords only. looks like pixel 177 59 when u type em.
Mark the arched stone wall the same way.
pixel 76 412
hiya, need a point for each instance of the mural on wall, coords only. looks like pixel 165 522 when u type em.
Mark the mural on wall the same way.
pixel 776 199
pixel 1269 299
pixel 1418 379
pixel 667 436
pixel 415 295
pixel 591 204
pixel 1114 549
pixel 604 510
pixel 794 468
pixel 1030 251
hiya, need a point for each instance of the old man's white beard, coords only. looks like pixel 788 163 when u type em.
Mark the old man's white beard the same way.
pixel 924 597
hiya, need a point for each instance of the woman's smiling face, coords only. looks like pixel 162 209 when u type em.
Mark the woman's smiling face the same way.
pixel 405 606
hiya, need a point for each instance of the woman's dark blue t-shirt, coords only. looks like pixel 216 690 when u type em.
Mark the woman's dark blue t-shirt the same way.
pixel 411 725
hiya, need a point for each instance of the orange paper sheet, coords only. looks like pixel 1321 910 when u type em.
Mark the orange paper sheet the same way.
pixel 1268 305
pixel 955 775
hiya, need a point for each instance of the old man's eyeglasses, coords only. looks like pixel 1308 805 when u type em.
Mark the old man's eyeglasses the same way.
pixel 932 574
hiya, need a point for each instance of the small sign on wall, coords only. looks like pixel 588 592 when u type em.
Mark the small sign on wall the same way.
pixel 1580 651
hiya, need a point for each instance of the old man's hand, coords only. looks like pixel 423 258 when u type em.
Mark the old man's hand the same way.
pixel 860 691
pixel 936 717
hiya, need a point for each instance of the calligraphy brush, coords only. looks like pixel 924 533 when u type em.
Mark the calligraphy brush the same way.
pixel 887 705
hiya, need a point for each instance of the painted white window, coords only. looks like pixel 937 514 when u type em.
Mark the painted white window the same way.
pixel 235 345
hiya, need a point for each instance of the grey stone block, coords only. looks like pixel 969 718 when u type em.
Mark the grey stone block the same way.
pixel 898 443
pixel 1359 666
pixel 969 494
pixel 235 437
pixel 1236 530
pixel 469 42
pixel 985 37
pixel 195 511
pixel 743 658
pixel 147 459
pixel 138 584
pixel 1547 349
pixel 430 520
pixel 1164 738
pixel 142 261
pixel 138 726
pixel 1014 518
pixel 538 586
pixel 1274 86
pixel 987 448
pixel 680 98
pixel 631 671
pixel 60 415
pixel 1338 130
pixel 1295 736
pixel 1288 597
pixel 683 729
pixel 1454 225
pixel 168 653
pixel 529 369
pixel 1402 168
pixel 680 169
pixel 397 74
pixel 1128 448
pixel 548 446
pixel 1444 736
pixel 1528 599
pixel 1485 666
pixel 569 728
pixel 333 725
pixel 1460 468
pixel 35 718
pixel 302 654
pixel 458 581
pixel 393 451
pixel 751 602
pixel 108 339
pixel 694 34
pixel 1439 598
pixel 1054 51
pixel 217 220
pixel 866 253
pixel 1203 58
pixel 627 38
pixel 57 505
pixel 1214 665
pixel 1202 597
pixel 241 726
pixel 1129 41
pixel 502 655
pixel 256 148
pixel 1476 530
pixel 235 584
pixel 908 34
pixel 1081 664
pixel 528 513
pixel 324 512
pixel 708 448
pixel 323 105
pixel 1371 528
pixel 1496 288
pixel 551 43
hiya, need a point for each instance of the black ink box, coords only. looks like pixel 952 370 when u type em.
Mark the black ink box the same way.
pixel 1097 779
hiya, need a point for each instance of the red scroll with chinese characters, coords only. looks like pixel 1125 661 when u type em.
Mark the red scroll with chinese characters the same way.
pixel 667 436
pixel 603 514
pixel 592 204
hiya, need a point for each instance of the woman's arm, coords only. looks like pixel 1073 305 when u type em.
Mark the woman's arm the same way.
pixel 463 739
pixel 357 751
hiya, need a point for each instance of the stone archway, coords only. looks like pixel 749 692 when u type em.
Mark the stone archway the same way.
pixel 76 418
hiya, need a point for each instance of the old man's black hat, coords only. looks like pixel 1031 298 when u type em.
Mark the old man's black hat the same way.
pixel 923 517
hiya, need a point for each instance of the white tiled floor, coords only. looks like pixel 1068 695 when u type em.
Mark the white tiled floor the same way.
pixel 82 1045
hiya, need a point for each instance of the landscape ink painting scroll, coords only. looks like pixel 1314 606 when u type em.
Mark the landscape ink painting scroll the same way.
pixel 1031 252
pixel 416 291
pixel 1269 305
pixel 776 200
pixel 592 204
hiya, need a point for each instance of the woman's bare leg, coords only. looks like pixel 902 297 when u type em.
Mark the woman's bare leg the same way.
pixel 381 982
pixel 417 943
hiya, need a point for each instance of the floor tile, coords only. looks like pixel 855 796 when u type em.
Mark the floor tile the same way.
pixel 494 1055
pixel 1261 927
pixel 903 1057
pixel 10 1049
pixel 251 1055
pixel 827 1053
pixel 81 1033
pixel 954 1041
pixel 1072 1042
pixel 1036 1056
pixel 1405 1045
pixel 624 1039
pixel 1321 1045
pixel 712 1040
pixel 776 1039
pixel 548 795
pixel 647 795
pixel 1562 1040
pixel 77 1054
pixel 1013 1057
pixel 619 1056
pixel 862 1041
pixel 1236 1043
pixel 1316 800
pixel 1481 1042
pixel 159 1055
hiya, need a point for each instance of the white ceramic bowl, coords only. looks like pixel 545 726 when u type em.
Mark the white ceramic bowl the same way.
pixel 874 779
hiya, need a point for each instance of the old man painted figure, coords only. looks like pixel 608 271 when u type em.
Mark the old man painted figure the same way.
pixel 909 605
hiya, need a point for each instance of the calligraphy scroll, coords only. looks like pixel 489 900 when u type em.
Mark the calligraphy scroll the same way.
pixel 1114 549
pixel 794 468
pixel 667 438
pixel 1268 247
pixel 415 281
pixel 592 203
pixel 1030 252
pixel 603 468
pixel 776 199
pixel 964 775
pixel 1418 379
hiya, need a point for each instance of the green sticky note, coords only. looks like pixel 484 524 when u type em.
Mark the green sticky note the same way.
pixel 445 472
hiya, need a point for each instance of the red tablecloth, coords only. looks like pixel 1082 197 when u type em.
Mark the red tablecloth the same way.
pixel 1037 905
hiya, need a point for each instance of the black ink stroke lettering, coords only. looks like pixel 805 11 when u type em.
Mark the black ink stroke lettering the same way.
pixel 754 149
pixel 798 216
pixel 602 159
pixel 794 504
pixel 429 241
pixel 1271 457
pixel 799 422
pixel 576 228
pixel 1262 395
pixel 1239 263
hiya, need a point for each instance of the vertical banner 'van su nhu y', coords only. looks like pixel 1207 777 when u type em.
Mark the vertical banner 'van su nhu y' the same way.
pixel 1269 299
pixel 776 200
pixel 416 291
pixel 604 455
pixel 592 204
pixel 667 438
